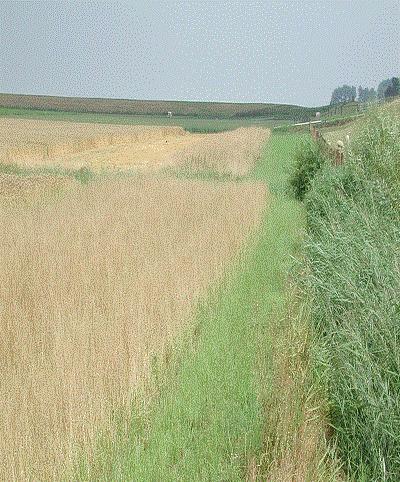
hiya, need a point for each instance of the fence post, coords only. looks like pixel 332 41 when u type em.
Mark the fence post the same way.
pixel 336 154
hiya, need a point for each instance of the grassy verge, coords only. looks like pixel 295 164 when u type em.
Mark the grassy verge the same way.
pixel 295 425
pixel 352 276
pixel 207 421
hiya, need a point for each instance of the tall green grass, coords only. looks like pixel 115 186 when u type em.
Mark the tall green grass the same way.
pixel 352 277
pixel 207 421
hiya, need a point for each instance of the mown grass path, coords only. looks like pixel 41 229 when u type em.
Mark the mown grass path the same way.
pixel 208 421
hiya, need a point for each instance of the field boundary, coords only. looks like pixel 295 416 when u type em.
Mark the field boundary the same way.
pixel 336 154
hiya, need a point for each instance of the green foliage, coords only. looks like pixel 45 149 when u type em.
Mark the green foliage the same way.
pixel 6 168
pixel 366 94
pixel 394 88
pixel 308 160
pixel 382 88
pixel 343 94
pixel 83 175
pixel 353 278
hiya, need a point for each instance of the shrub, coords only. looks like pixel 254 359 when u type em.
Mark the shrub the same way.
pixel 309 160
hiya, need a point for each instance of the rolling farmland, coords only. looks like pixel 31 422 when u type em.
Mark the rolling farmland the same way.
pixel 146 310
pixel 155 108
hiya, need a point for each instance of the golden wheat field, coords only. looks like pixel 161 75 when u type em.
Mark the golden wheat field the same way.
pixel 38 143
pixel 234 152
pixel 96 279
pixel 33 143
pixel 93 281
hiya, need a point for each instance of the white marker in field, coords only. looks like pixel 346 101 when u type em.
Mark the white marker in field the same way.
pixel 169 114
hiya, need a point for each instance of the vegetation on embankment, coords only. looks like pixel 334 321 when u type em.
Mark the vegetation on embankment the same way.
pixel 208 420
pixel 352 279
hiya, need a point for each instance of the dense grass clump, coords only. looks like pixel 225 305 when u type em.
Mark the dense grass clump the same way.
pixel 353 277
pixel 309 159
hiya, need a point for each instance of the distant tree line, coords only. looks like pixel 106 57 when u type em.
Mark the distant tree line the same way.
pixel 348 93
pixel 393 88
pixel 345 93
pixel 366 94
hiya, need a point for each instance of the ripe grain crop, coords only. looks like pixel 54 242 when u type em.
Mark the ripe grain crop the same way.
pixel 37 142
pixel 234 152
pixel 92 285
pixel 238 406
pixel 17 187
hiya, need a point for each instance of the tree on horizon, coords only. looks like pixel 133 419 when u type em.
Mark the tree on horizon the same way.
pixel 345 93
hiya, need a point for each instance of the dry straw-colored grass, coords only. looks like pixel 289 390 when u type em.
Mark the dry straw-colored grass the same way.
pixel 92 283
pixel 25 188
pixel 234 152
pixel 30 142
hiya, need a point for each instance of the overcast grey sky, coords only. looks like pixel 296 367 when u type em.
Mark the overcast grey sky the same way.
pixel 264 51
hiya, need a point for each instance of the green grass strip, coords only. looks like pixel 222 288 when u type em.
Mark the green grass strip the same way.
pixel 208 420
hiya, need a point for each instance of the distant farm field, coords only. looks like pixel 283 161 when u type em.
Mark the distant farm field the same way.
pixel 188 122
pixel 156 107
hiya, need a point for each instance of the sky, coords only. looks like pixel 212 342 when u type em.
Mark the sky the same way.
pixel 293 52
